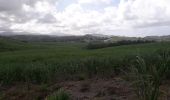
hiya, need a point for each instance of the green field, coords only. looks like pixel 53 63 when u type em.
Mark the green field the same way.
pixel 48 62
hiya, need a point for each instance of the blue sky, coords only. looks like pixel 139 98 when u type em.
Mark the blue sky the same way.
pixel 62 4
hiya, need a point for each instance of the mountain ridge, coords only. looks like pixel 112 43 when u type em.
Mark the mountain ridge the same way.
pixel 80 38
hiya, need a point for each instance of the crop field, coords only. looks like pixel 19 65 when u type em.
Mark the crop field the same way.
pixel 40 62
pixel 50 62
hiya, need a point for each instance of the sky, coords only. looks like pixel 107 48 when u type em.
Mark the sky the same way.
pixel 79 17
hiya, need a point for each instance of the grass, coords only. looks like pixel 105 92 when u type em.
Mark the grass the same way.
pixel 59 95
pixel 50 62
pixel 147 75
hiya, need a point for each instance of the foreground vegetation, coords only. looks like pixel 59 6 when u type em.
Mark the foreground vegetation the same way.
pixel 49 62
pixel 59 95
pixel 148 75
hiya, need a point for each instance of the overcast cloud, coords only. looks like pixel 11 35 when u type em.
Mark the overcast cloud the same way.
pixel 77 17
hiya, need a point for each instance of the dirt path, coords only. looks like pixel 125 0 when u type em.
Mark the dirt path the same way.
pixel 101 89
pixel 91 89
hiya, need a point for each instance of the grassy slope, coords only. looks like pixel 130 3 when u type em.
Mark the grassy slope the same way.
pixel 42 62
pixel 55 51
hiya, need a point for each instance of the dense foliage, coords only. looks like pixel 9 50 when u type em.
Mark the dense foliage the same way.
pixel 147 74
pixel 50 62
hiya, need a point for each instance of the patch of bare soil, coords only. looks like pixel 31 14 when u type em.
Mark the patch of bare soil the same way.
pixel 91 89
pixel 100 89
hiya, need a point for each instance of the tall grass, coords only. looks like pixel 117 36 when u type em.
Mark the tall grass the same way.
pixel 69 69
pixel 51 62
pixel 59 95
pixel 147 76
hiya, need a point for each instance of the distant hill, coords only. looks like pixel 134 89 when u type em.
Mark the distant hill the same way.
pixel 71 38
pixel 99 35
pixel 158 38
pixel 52 38
pixel 26 33
pixel 7 44
pixel 120 38
pixel 148 38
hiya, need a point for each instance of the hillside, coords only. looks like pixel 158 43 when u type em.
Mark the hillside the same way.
pixel 7 44
pixel 158 38
pixel 38 69
pixel 52 38
pixel 148 38
pixel 84 38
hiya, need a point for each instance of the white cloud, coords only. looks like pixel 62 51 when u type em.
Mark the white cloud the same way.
pixel 41 16
pixel 144 12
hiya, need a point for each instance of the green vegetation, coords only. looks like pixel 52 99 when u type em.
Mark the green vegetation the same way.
pixel 59 95
pixel 10 45
pixel 50 61
pixel 99 45
pixel 147 75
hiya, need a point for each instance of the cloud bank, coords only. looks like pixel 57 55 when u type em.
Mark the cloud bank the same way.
pixel 78 17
